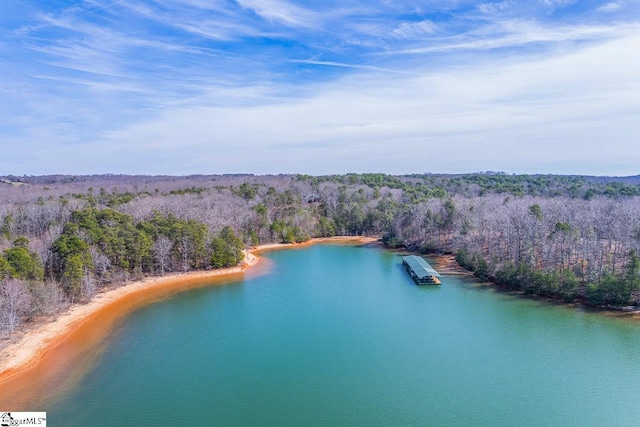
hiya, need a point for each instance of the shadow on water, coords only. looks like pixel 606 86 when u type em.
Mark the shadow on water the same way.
pixel 408 281
pixel 474 283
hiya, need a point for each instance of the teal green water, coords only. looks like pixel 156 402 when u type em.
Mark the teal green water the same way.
pixel 339 335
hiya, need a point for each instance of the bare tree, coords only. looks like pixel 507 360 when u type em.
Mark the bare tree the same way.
pixel 48 298
pixel 89 287
pixel 15 302
pixel 101 265
pixel 162 250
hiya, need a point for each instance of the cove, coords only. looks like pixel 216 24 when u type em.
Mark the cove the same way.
pixel 340 335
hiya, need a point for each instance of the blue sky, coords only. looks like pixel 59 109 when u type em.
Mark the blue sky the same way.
pixel 279 86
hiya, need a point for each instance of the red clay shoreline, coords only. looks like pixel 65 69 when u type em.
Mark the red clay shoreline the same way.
pixel 36 361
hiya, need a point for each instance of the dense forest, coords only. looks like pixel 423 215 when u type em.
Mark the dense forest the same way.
pixel 63 238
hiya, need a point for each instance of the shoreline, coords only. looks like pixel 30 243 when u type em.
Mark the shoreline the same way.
pixel 38 345
pixel 447 264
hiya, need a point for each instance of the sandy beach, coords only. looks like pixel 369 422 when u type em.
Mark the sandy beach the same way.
pixel 49 348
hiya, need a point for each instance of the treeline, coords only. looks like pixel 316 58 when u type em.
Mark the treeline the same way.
pixel 574 249
pixel 99 247
pixel 63 238
pixel 616 290
pixel 102 247
pixel 429 185
pixel 424 186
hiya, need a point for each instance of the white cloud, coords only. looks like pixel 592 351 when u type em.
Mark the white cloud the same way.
pixel 547 115
pixel 171 80
pixel 414 30
pixel 207 19
pixel 557 3
pixel 494 7
pixel 517 33
pixel 282 12
pixel 610 7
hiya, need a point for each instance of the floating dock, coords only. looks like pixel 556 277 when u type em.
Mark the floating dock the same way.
pixel 420 270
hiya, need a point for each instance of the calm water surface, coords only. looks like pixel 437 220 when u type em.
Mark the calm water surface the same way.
pixel 339 335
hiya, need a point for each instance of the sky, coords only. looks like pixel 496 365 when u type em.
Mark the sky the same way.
pixel 319 87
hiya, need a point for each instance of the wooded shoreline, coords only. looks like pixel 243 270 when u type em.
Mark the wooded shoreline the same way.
pixel 63 238
pixel 447 264
pixel 24 362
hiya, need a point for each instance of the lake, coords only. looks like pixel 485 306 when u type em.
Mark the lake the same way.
pixel 340 335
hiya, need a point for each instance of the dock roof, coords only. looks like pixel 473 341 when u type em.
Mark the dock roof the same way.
pixel 420 267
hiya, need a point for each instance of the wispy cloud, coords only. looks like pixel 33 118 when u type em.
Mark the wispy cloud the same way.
pixel 335 82
pixel 494 7
pixel 470 116
pixel 518 33
pixel 282 12
pixel 557 3
pixel 346 65
pixel 414 30
pixel 611 7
